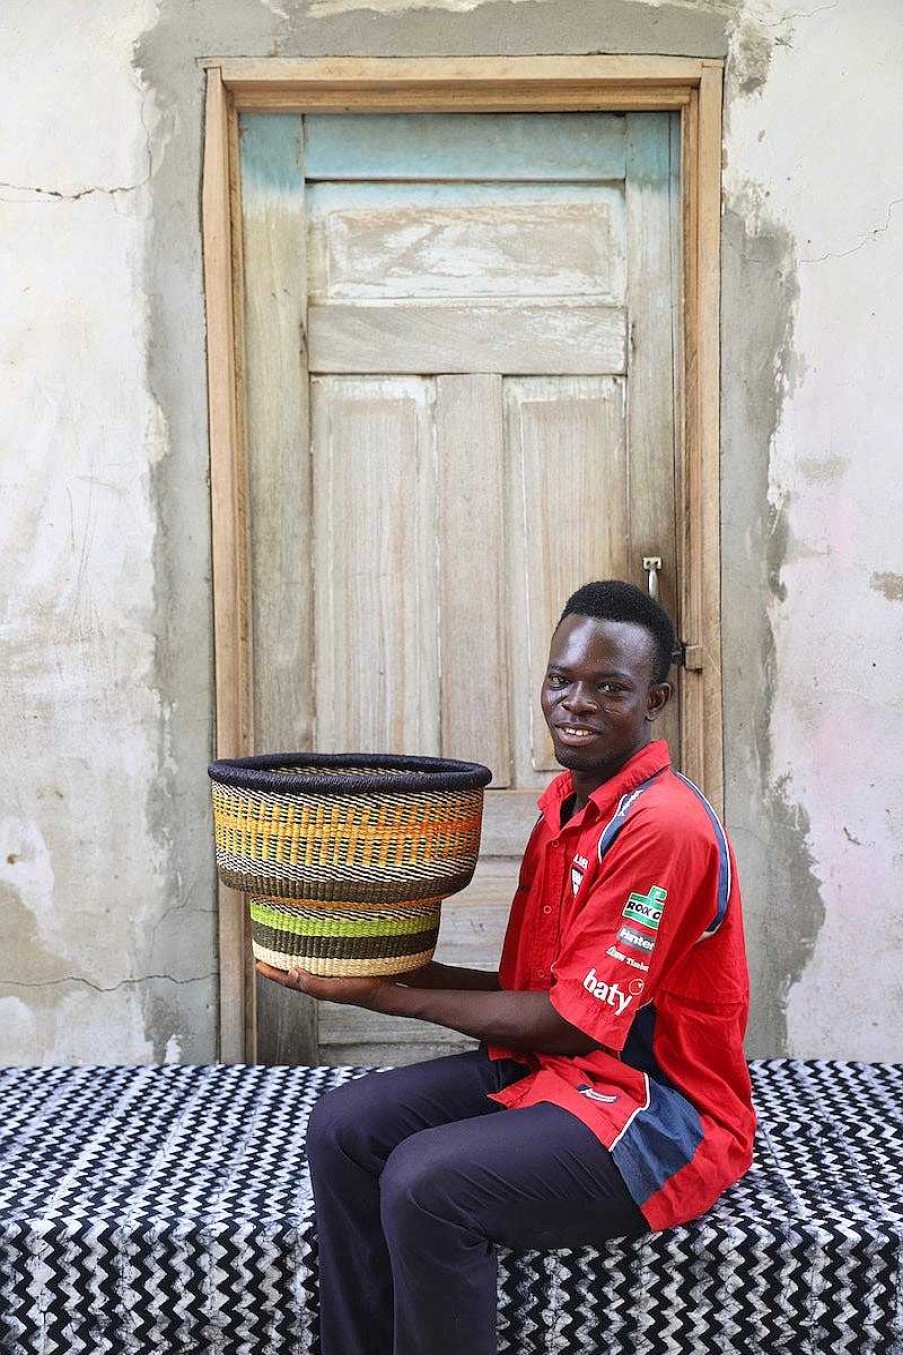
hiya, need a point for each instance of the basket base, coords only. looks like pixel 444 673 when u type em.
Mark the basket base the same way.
pixel 340 967
pixel 346 942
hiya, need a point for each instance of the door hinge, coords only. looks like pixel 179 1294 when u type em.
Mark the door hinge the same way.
pixel 689 656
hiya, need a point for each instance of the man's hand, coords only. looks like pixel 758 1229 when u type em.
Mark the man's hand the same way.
pixel 356 992
pixel 520 1020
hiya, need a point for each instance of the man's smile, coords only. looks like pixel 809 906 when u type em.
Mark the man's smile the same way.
pixel 575 733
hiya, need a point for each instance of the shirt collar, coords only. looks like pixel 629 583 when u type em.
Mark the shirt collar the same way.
pixel 644 763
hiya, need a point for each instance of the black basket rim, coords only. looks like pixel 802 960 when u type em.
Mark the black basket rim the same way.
pixel 418 774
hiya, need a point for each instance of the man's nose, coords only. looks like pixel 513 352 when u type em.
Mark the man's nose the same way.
pixel 580 696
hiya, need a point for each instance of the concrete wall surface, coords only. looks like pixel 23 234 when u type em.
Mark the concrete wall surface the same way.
pixel 107 889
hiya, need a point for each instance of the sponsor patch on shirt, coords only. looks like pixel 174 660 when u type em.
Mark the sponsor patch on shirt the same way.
pixel 646 908
pixel 578 870
pixel 627 959
pixel 609 993
pixel 631 937
pixel 586 1090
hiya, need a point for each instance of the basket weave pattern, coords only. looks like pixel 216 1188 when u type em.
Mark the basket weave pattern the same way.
pixel 302 847
pixel 344 941
pixel 346 861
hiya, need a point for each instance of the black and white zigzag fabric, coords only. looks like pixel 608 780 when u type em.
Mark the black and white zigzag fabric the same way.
pixel 167 1211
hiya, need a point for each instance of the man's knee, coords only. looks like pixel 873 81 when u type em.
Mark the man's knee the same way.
pixel 419 1184
pixel 338 1126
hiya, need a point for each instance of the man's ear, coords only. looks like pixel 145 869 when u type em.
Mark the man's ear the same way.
pixel 657 699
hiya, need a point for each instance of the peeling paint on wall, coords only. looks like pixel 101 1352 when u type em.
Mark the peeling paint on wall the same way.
pixel 890 585
pixel 324 9
pixel 107 916
pixel 26 871
pixel 485 27
pixel 758 27
pixel 84 881
pixel 781 890
pixel 830 853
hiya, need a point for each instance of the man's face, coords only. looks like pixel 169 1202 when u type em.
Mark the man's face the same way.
pixel 598 696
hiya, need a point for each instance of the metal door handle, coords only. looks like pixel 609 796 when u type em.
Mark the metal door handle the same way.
pixel 652 564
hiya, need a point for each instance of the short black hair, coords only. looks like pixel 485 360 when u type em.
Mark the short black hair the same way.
pixel 615 600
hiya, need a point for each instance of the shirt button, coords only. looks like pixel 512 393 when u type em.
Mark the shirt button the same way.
pixel 540 973
pixel 546 909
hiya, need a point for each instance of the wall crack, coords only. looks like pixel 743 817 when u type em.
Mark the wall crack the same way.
pixel 99 988
pixel 866 239
pixel 39 194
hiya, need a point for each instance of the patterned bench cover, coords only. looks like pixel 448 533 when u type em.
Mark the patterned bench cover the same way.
pixel 166 1211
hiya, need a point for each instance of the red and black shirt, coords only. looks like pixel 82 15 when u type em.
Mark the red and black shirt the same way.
pixel 629 915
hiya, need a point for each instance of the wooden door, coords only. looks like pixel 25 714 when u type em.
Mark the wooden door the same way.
pixel 460 374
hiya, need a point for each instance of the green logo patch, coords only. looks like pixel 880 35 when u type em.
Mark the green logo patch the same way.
pixel 646 908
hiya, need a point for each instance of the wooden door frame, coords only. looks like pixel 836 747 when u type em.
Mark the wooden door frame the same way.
pixel 687 85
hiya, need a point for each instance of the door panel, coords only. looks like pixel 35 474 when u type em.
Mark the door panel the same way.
pixel 566 465
pixel 413 336
pixel 280 612
pixel 517 147
pixel 653 307
pixel 470 447
pixel 375 618
pixel 461 399
pixel 373 242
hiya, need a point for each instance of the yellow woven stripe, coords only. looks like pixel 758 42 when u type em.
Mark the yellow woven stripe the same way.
pixel 341 848
pixel 327 837
pixel 335 968
pixel 323 825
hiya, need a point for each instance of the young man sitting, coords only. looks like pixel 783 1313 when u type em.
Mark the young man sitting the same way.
pixel 610 1093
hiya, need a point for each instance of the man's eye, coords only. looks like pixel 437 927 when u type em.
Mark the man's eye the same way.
pixel 554 680
pixel 611 688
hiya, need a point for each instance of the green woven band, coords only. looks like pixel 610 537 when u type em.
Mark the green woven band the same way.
pixel 336 922
pixel 351 947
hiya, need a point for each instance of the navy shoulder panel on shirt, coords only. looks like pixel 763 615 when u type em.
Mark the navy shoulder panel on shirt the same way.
pixel 683 810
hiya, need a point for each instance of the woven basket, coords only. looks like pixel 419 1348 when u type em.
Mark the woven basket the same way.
pixel 346 857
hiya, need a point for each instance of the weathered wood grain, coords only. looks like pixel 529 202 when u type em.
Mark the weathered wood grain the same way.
pixel 375 614
pixel 276 387
pixel 521 147
pixel 568 471
pixel 462 338
pixel 651 421
pixel 379 242
pixel 228 513
pixel 471 586
pixel 508 819
pixel 278 435
pixel 382 1055
pixel 706 527
pixel 461 84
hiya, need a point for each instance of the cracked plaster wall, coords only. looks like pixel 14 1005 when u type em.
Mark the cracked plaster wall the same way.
pixel 106 924
pixel 813 185
pixel 107 937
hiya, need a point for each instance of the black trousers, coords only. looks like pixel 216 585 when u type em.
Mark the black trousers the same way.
pixel 416 1178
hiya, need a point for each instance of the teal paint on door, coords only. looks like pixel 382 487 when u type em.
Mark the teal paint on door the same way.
pixel 461 384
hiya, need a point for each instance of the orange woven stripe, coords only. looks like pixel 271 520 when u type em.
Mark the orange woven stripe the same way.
pixel 354 832
pixel 254 845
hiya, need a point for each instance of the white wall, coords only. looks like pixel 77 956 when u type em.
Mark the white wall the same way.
pixel 107 929
pixel 94 964
pixel 819 149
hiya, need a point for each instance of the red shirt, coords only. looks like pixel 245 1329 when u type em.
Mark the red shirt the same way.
pixel 629 915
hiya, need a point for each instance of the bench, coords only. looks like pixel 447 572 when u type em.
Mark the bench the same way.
pixel 167 1211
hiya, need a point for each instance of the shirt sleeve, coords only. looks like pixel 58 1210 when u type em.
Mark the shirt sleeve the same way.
pixel 646 905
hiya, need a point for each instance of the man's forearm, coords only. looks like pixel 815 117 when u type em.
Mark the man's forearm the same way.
pixel 435 975
pixel 521 1020
pixel 524 1021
